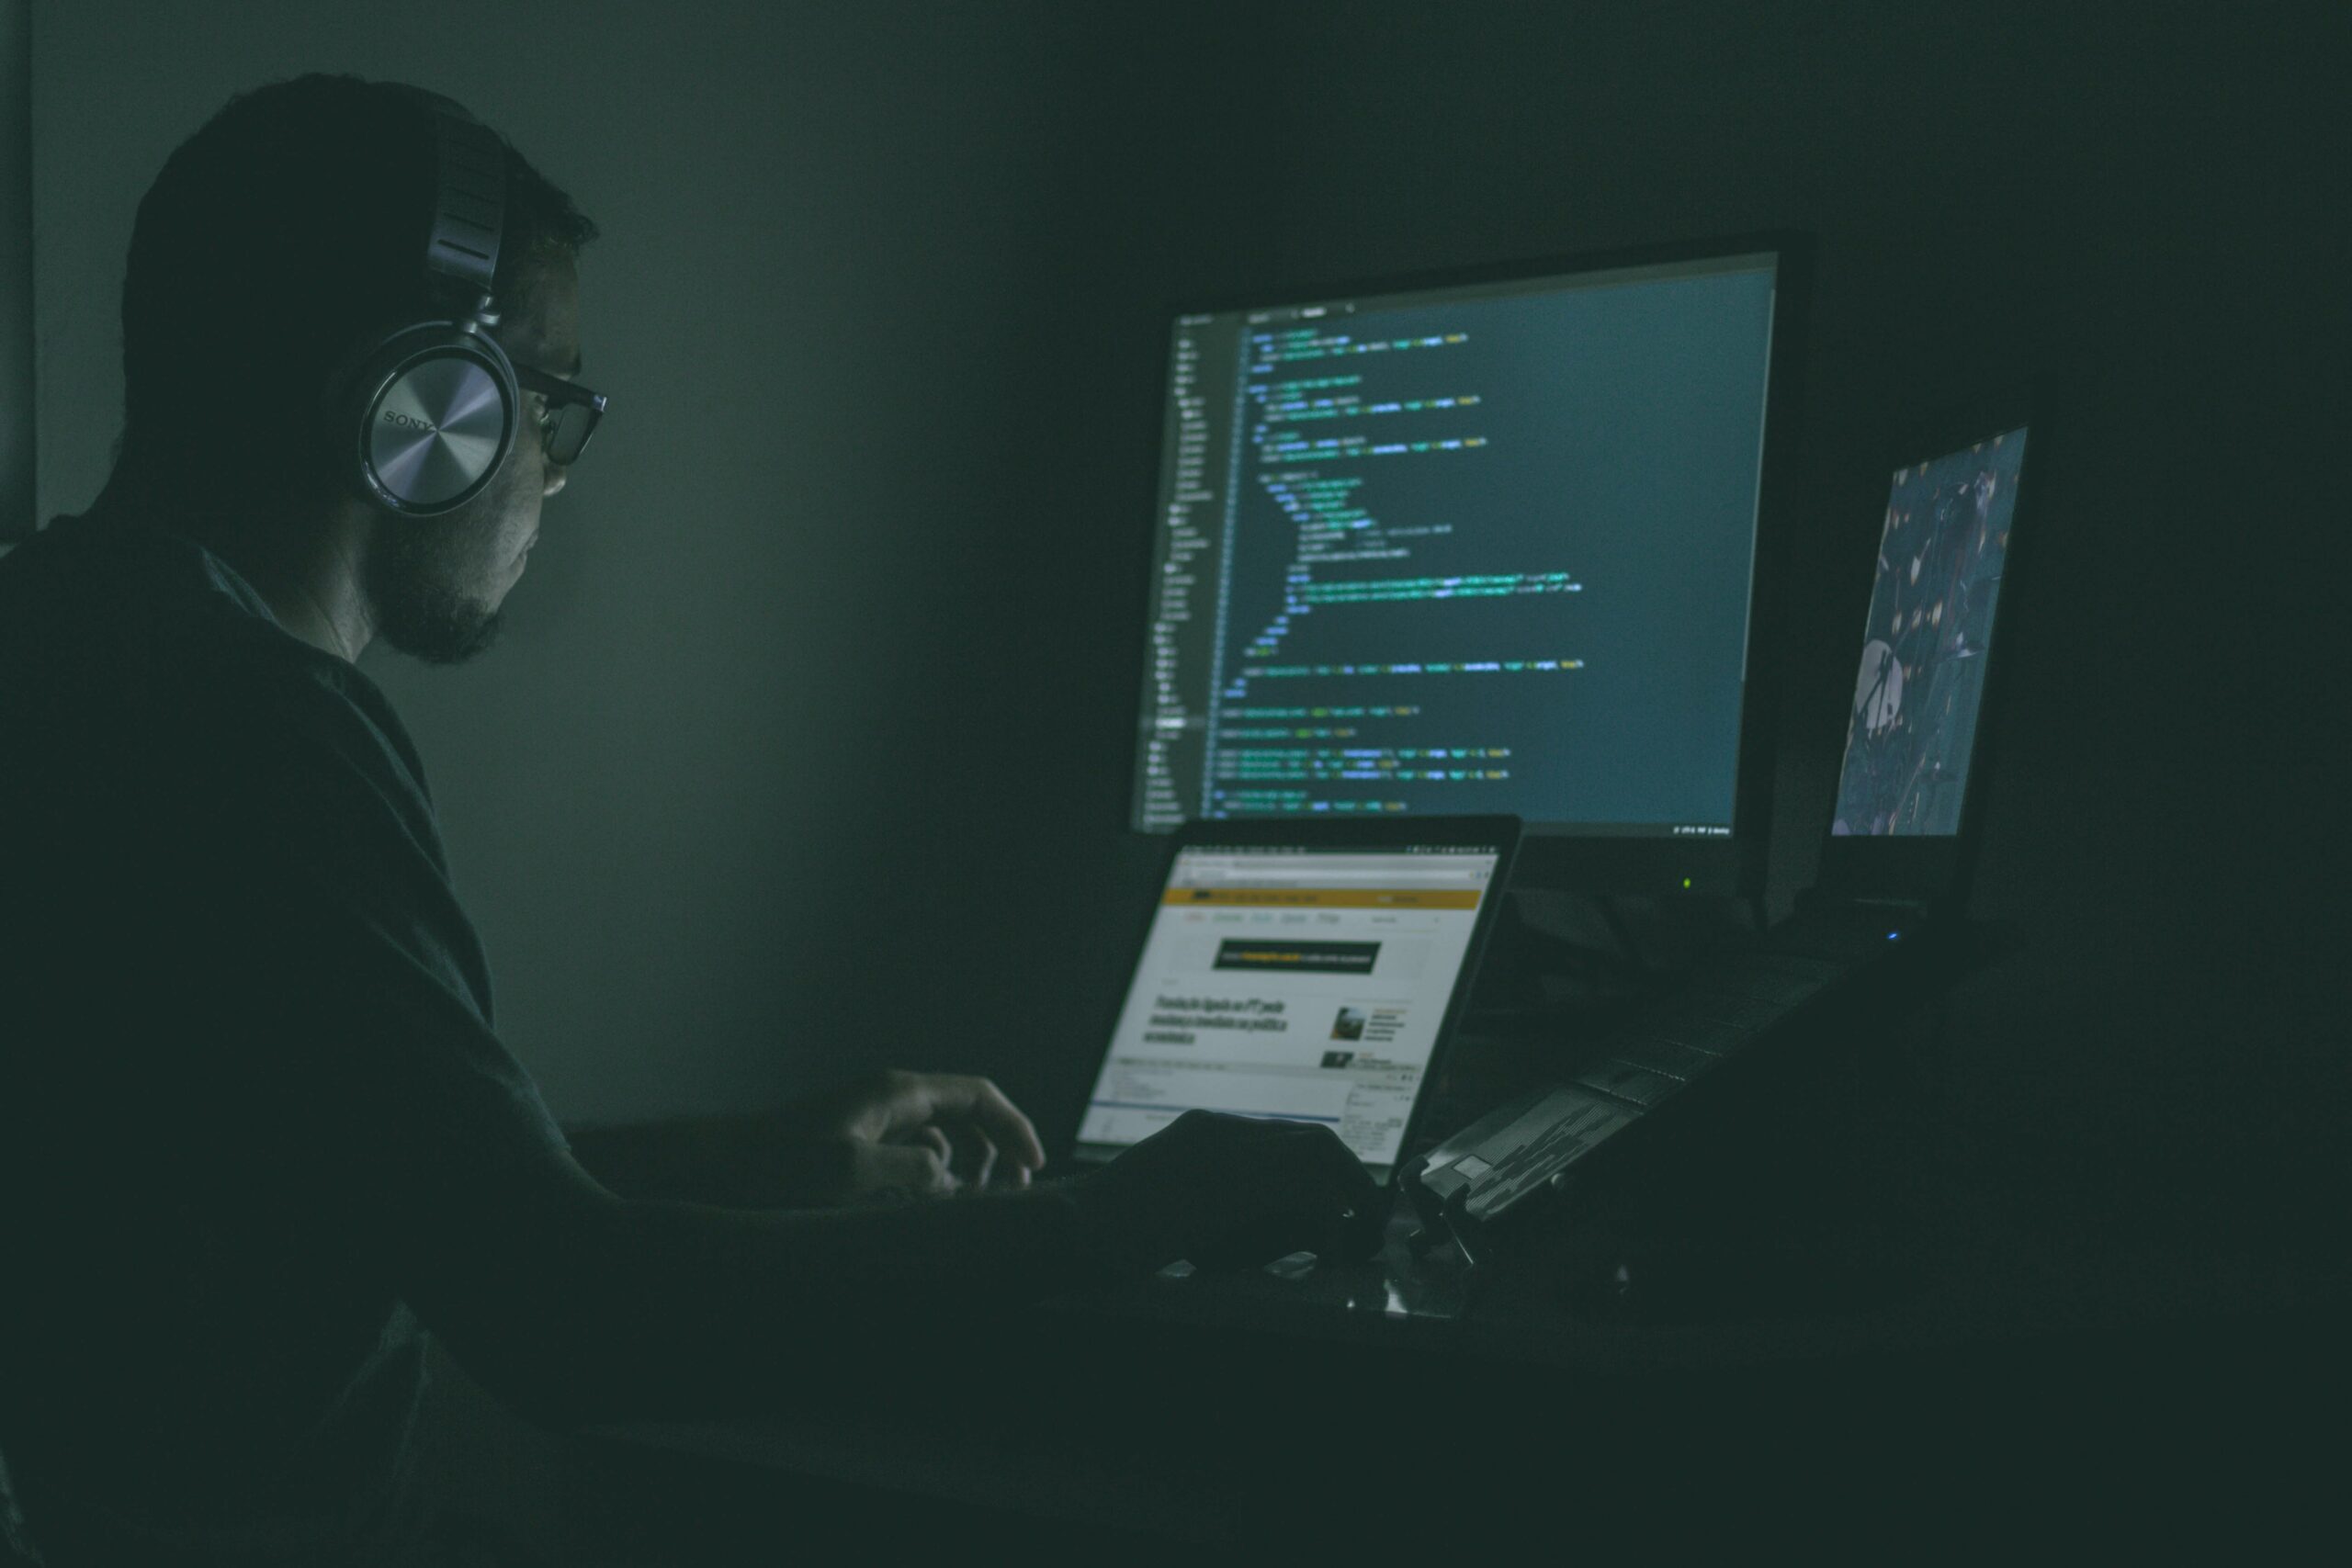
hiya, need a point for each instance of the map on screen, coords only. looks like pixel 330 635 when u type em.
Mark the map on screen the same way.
pixel 1912 728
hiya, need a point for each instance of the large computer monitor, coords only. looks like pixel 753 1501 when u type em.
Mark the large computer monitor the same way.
pixel 1478 543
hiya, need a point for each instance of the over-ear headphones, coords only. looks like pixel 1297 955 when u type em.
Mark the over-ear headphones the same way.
pixel 423 416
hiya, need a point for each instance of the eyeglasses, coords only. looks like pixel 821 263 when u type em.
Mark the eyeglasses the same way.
pixel 572 416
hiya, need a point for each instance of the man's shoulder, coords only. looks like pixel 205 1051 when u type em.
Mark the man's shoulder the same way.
pixel 146 656
pixel 265 681
pixel 295 741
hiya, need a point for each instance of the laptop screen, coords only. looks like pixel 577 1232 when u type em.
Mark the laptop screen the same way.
pixel 1305 984
pixel 1913 726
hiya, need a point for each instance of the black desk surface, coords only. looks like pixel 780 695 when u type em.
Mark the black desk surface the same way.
pixel 1915 1318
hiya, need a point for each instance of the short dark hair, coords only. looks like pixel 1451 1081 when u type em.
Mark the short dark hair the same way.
pixel 289 227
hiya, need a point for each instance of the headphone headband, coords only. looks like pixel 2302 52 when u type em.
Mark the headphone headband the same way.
pixel 470 211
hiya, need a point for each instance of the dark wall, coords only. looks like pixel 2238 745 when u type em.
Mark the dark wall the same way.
pixel 811 742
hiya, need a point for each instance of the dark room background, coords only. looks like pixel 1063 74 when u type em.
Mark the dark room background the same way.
pixel 807 745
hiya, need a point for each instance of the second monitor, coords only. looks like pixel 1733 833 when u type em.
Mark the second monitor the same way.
pixel 1478 544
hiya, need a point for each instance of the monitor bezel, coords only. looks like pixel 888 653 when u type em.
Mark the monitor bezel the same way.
pixel 1505 833
pixel 1558 855
pixel 1933 870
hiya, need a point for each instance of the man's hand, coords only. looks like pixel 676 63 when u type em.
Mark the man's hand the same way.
pixel 913 1134
pixel 1229 1191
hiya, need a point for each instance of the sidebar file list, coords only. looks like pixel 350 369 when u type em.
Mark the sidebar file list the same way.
pixel 1186 571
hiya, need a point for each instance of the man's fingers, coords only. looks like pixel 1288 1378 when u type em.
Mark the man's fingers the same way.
pixel 1002 1122
pixel 917 1169
pixel 977 1155
pixel 902 1102
pixel 885 1106
pixel 968 1152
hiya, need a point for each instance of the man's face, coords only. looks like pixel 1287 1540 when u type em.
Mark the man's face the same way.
pixel 436 583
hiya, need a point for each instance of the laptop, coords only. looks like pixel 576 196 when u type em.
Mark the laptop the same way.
pixel 1893 867
pixel 1306 970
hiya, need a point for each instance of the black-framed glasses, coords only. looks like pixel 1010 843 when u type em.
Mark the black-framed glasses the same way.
pixel 572 416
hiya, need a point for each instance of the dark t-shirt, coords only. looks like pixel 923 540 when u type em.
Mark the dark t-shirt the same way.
pixel 247 1066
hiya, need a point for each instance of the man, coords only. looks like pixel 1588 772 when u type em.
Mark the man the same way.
pixel 255 1124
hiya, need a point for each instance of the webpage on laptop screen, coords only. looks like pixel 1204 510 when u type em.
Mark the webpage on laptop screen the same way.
pixel 1306 985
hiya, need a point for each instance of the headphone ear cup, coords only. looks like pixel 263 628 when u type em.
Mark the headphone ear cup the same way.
pixel 425 418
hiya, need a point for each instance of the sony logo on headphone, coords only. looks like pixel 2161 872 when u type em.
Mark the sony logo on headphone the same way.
pixel 409 422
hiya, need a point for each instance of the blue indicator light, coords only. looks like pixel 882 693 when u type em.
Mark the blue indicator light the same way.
pixel 1894 936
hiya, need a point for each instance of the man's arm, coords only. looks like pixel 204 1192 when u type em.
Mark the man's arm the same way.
pixel 367 1070
pixel 692 1159
pixel 580 1306
pixel 918 1135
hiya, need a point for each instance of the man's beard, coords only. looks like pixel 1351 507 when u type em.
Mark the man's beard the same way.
pixel 411 571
